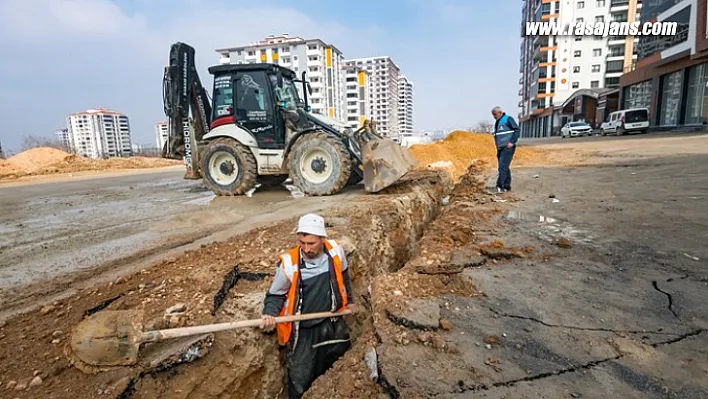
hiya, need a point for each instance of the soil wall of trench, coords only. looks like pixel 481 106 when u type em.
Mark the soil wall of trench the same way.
pixel 227 281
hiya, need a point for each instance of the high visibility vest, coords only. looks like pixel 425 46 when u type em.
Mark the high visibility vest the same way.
pixel 289 264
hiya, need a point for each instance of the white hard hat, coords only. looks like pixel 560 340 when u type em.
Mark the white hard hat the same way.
pixel 312 224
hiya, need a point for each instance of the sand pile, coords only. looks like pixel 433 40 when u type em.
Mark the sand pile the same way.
pixel 47 161
pixel 459 149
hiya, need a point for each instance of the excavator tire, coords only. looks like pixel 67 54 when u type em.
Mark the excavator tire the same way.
pixel 319 164
pixel 229 168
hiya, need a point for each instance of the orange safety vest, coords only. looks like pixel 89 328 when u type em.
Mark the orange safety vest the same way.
pixel 289 264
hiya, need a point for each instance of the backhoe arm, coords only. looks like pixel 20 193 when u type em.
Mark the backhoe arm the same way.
pixel 185 98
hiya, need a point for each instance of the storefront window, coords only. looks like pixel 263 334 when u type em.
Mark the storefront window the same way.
pixel 670 98
pixel 637 95
pixel 650 44
pixel 697 99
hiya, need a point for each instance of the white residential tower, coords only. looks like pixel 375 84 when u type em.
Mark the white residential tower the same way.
pixel 99 133
pixel 405 106
pixel 383 89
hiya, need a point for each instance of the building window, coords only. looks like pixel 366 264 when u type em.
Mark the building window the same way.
pixel 599 19
pixel 578 38
pixel 697 98
pixel 579 21
pixel 597 52
pixel 596 68
pixel 575 85
pixel 576 69
pixel 600 3
pixel 594 84
pixel 581 4
pixel 576 53
pixel 670 98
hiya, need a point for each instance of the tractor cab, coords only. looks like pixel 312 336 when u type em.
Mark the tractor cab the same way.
pixel 258 97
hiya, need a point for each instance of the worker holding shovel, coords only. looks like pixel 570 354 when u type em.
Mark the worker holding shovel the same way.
pixel 310 278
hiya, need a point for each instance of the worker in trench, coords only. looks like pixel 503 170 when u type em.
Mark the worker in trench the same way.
pixel 312 277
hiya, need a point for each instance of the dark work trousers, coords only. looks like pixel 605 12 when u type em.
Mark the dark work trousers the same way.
pixel 306 363
pixel 504 157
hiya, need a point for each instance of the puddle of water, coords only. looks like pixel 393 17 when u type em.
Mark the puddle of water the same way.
pixel 530 217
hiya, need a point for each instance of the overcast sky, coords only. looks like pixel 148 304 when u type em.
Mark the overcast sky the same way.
pixel 65 56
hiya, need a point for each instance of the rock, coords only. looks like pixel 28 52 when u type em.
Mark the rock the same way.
pixel 178 308
pixel 36 381
pixel 446 324
pixel 575 395
pixel 36 373
pixel 11 384
pixel 57 334
pixel 56 341
pixel 47 309
pixel 419 314
pixel 563 242
pixel 20 387
pixel 527 329
pixel 347 245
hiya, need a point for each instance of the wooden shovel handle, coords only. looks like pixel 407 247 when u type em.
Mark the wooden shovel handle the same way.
pixel 159 335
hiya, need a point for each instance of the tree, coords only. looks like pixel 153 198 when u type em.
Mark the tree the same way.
pixel 484 127
pixel 33 141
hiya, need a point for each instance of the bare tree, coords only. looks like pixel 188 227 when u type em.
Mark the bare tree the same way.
pixel 33 141
pixel 484 127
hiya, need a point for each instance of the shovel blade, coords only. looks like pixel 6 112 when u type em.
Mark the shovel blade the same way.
pixel 107 338
pixel 385 162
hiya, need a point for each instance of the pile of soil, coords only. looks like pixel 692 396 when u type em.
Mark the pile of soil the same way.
pixel 48 161
pixel 458 150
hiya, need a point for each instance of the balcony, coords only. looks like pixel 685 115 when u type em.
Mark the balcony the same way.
pixel 616 40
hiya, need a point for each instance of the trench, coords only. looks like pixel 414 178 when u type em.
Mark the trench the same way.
pixel 383 243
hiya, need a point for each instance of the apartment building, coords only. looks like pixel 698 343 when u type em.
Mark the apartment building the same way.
pixel 64 140
pixel 162 130
pixel 405 106
pixel 671 74
pixel 320 60
pixel 357 94
pixel 100 133
pixel 554 68
pixel 383 88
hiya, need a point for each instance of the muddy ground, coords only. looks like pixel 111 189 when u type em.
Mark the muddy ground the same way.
pixel 58 236
pixel 585 282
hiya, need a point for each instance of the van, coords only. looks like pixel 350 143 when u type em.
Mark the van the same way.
pixel 626 121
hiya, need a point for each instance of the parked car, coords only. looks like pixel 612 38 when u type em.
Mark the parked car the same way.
pixel 626 121
pixel 576 129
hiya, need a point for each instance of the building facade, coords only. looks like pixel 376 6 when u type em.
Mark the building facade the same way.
pixel 554 67
pixel 671 75
pixel 405 106
pixel 320 60
pixel 383 89
pixel 100 133
pixel 64 140
pixel 161 134
pixel 357 94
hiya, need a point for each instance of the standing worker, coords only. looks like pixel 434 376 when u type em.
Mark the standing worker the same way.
pixel 312 277
pixel 506 134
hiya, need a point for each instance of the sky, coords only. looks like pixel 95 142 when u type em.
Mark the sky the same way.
pixel 64 56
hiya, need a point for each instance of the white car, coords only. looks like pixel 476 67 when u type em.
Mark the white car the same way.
pixel 576 129
pixel 626 121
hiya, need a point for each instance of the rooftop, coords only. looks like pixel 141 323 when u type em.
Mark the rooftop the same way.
pixel 270 40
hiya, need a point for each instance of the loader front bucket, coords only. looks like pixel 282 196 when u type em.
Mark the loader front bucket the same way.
pixel 384 162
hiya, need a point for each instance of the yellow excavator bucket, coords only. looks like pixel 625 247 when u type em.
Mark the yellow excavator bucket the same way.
pixel 384 161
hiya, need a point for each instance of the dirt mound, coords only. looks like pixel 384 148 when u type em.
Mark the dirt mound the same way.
pixel 460 148
pixel 48 161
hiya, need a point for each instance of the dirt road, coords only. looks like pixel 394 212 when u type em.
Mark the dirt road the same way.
pixel 56 234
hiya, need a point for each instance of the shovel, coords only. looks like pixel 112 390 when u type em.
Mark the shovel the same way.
pixel 113 337
pixel 384 161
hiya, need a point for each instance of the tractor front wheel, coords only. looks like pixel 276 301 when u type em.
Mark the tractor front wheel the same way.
pixel 229 168
pixel 319 164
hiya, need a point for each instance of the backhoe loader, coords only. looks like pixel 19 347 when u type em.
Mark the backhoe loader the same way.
pixel 258 130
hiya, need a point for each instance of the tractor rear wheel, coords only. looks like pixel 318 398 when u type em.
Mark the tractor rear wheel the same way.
pixel 229 168
pixel 319 164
